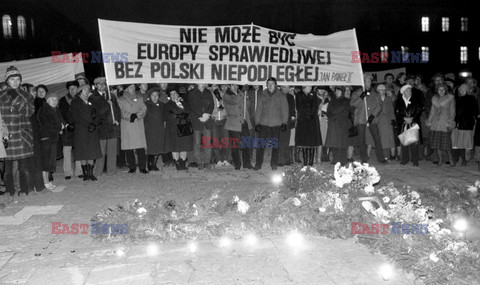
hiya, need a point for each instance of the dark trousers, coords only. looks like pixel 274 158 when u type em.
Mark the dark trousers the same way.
pixel 36 174
pixel 245 149
pixel 339 155
pixel 284 154
pixel 268 133
pixel 410 153
pixel 219 132
pixel 362 128
pixel 142 158
pixel 24 173
pixel 202 155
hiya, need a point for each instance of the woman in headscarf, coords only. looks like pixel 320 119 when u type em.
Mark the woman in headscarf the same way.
pixel 175 112
pixel 441 122
pixel 465 116
pixel 51 124
pixel 338 124
pixel 132 129
pixel 155 125
pixel 86 142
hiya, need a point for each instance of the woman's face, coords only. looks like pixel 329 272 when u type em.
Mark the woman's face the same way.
pixel 382 91
pixel 307 89
pixel 348 93
pixel 174 96
pixel 462 91
pixel 441 91
pixel 338 93
pixel 41 93
pixel 52 101
pixel 154 97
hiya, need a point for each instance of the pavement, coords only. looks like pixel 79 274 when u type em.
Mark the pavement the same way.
pixel 31 254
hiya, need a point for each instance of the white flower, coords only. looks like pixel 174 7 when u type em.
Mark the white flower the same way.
pixel 386 199
pixel 242 207
pixel 434 257
pixel 322 209
pixel 472 189
pixel 296 202
pixel 369 189
pixel 414 195
pixel 214 196
pixel 141 210
pixel 477 183
pixel 236 199
pixel 303 196
pixel 342 175
pixel 304 169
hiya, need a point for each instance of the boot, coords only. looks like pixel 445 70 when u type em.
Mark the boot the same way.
pixel 177 164
pixel 85 172
pixel 297 154
pixel 311 156
pixel 151 163
pixel 463 156
pixel 182 163
pixel 305 156
pixel 90 172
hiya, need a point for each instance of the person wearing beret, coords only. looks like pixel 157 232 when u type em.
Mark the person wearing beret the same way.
pixel 51 125
pixel 368 106
pixel 86 140
pixel 108 115
pixel 16 107
pixel 132 129
pixel 67 135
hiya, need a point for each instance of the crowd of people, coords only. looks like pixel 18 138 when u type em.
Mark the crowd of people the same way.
pixel 101 130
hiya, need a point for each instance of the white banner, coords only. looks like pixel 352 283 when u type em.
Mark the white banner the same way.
pixel 45 70
pixel 241 54
pixel 378 76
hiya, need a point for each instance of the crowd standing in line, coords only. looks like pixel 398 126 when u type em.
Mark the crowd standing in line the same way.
pixel 101 129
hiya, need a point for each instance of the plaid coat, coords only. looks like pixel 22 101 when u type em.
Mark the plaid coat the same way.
pixel 16 107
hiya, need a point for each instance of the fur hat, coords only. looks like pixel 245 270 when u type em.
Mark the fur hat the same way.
pixel 99 80
pixel 12 71
pixel 405 87
pixel 72 83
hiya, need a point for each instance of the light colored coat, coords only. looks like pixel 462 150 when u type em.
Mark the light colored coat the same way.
pixel 235 107
pixel 442 113
pixel 132 134
pixel 3 133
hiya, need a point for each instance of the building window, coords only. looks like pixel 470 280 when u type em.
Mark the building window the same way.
pixel 425 54
pixel 22 27
pixel 384 53
pixel 425 24
pixel 404 53
pixel 463 54
pixel 7 26
pixel 33 28
pixel 445 24
pixel 464 24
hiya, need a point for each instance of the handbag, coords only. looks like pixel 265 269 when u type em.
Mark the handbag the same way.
pixel 409 135
pixel 184 127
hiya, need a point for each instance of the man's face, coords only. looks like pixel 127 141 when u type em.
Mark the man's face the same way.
pixel 14 82
pixel 285 89
pixel 418 81
pixel 201 86
pixel 224 87
pixel 52 101
pixel 256 87
pixel 101 86
pixel 72 90
pixel 471 83
pixel 307 89
pixel 438 80
pixel 368 82
pixel 271 86
pixel 410 81
pixel 144 86
pixel 234 88
pixel 389 79
pixel 163 86
pixel 81 81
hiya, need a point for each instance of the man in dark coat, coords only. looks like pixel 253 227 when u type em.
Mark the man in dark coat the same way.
pixel 67 136
pixel 16 108
pixel 108 115
pixel 271 117
pixel 285 156
pixel 252 102
pixel 201 106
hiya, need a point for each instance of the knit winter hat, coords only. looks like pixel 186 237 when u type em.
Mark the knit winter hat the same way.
pixel 12 71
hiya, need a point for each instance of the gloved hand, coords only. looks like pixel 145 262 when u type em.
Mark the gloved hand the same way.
pixel 283 127
pixel 5 142
pixel 257 128
pixel 70 128
pixel 370 119
pixel 217 94
pixel 133 117
pixel 364 94
pixel 91 127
